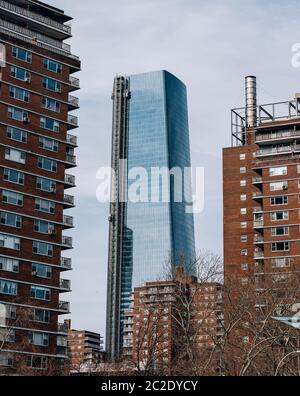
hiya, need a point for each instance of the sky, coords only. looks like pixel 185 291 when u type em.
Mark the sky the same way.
pixel 211 46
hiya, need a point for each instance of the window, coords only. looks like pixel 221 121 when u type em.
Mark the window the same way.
pixel 40 293
pixel 279 231
pixel 10 220
pixel 16 134
pixel 50 104
pixel 244 224
pixel 41 271
pixel 242 169
pixel 244 238
pixel 13 176
pixel 39 339
pixel 283 185
pixel 18 114
pixel 244 252
pixel 244 267
pixel 243 197
pixel 45 206
pixel 11 312
pixel 41 316
pixel 50 124
pixel 15 155
pixel 279 216
pixel 50 65
pixel 244 281
pixel 243 183
pixel 242 157
pixel 51 85
pixel 47 164
pixel 281 262
pixel 44 227
pixel 243 211
pixel 45 184
pixel 48 144
pixel 12 198
pixel 43 249
pixel 278 171
pixel 9 288
pixel 9 265
pixel 9 242
pixel 298 168
pixel 280 200
pixel 19 94
pixel 20 74
pixel 21 54
pixel 280 246
pixel 37 362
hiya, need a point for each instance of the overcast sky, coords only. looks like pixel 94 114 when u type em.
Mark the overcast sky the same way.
pixel 210 46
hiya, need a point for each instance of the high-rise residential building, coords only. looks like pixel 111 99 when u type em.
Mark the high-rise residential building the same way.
pixel 262 196
pixel 36 151
pixel 85 350
pixel 150 132
pixel 166 316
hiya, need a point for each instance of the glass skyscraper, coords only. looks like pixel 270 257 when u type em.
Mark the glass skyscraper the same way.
pixel 150 130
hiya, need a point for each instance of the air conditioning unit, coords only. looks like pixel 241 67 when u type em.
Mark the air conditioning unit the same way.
pixel 27 79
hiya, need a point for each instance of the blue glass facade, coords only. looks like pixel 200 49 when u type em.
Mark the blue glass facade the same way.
pixel 157 136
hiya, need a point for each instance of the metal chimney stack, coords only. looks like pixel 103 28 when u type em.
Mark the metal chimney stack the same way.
pixel 251 102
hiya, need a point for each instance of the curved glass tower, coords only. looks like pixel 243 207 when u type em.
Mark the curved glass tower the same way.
pixel 150 136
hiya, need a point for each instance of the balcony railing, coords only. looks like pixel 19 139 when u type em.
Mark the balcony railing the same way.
pixel 34 16
pixel 74 82
pixel 68 221
pixel 63 328
pixel 257 194
pixel 64 306
pixel 258 254
pixel 73 101
pixel 71 159
pixel 276 135
pixel 257 209
pixel 71 139
pixel 258 223
pixel 66 263
pixel 72 120
pixel 276 150
pixel 257 180
pixel 258 239
pixel 69 199
pixel 67 241
pixel 34 36
pixel 70 179
pixel 65 284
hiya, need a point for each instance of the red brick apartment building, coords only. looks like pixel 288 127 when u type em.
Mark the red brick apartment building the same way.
pixel 85 350
pixel 36 152
pixel 153 338
pixel 262 195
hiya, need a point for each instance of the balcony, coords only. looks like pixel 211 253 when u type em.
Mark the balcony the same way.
pixel 71 139
pixel 74 83
pixel 275 150
pixel 73 102
pixel 66 263
pixel 36 38
pixel 68 221
pixel 257 194
pixel 258 224
pixel 69 181
pixel 258 239
pixel 72 121
pixel 67 242
pixel 257 180
pixel 277 135
pixel 259 254
pixel 71 160
pixel 63 328
pixel 69 200
pixel 50 26
pixel 257 209
pixel 64 307
pixel 65 285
